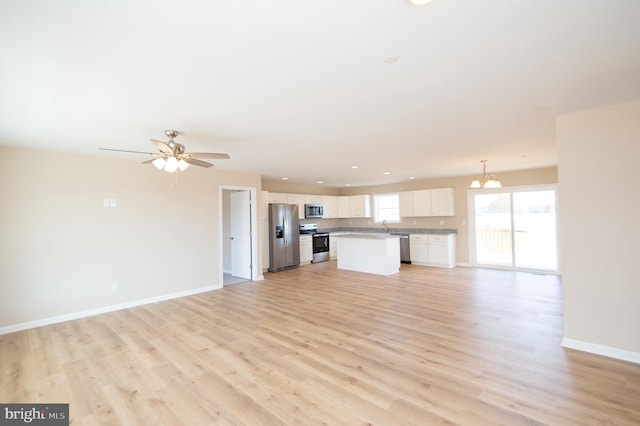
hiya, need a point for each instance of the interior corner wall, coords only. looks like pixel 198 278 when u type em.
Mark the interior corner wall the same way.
pixel 598 204
pixel 61 248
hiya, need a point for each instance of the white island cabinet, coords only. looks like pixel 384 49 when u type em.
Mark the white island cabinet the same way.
pixel 372 253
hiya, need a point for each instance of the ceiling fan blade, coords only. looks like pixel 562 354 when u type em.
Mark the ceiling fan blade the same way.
pixel 162 146
pixel 216 155
pixel 152 160
pixel 124 150
pixel 197 162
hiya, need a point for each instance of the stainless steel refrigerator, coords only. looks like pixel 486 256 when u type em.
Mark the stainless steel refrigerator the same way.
pixel 284 237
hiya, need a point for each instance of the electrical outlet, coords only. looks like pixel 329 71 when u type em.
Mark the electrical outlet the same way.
pixel 105 202
pixel 113 202
pixel 414 222
pixel 441 222
pixel 114 287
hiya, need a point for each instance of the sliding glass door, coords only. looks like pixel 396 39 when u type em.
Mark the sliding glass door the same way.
pixel 514 228
pixel 534 224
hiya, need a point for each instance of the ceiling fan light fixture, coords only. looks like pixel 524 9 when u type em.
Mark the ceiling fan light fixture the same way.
pixel 182 165
pixel 172 156
pixel 171 165
pixel 159 163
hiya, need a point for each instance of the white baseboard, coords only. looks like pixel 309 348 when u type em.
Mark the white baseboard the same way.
pixel 607 351
pixel 464 264
pixel 103 310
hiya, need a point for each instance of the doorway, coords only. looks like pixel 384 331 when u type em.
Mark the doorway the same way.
pixel 514 228
pixel 238 243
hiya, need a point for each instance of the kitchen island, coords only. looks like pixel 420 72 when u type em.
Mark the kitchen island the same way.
pixel 372 253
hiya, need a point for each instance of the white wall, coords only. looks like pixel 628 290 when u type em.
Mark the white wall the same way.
pixel 60 249
pixel 599 208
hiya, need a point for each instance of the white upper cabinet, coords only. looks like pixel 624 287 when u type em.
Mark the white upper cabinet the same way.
pixel 343 206
pixel 406 204
pixel 422 202
pixel 313 199
pixel 278 198
pixel 330 204
pixel 427 202
pixel 299 200
pixel 443 202
pixel 360 206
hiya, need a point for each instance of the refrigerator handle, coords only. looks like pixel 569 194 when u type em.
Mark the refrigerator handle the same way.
pixel 284 219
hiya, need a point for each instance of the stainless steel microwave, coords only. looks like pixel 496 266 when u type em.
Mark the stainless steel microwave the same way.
pixel 313 211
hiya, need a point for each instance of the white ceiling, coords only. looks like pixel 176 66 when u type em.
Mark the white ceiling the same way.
pixel 301 89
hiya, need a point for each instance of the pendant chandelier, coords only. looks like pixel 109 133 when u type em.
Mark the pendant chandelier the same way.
pixel 485 181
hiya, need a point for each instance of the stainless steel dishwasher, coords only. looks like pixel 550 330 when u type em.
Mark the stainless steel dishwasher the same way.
pixel 405 254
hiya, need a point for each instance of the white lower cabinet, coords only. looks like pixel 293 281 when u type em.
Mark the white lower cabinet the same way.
pixel 419 248
pixel 433 250
pixel 306 249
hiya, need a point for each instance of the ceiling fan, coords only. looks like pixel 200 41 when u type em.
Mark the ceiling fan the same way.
pixel 172 155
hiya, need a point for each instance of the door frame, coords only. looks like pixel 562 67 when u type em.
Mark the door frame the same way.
pixel 255 267
pixel 471 228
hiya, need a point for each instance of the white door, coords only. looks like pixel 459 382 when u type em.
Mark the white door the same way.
pixel 240 225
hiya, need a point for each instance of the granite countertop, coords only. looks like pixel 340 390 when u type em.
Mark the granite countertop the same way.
pixel 381 231
pixel 368 236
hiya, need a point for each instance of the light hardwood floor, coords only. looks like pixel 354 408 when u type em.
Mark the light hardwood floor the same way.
pixel 315 345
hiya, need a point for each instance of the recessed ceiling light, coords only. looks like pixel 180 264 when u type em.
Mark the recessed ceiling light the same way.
pixel 419 2
pixel 412 177
pixel 285 178
pixel 387 173
pixel 354 167
pixel 348 184
pixel 391 59
pixel 320 181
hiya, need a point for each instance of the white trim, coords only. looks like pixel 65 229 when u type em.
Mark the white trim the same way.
pixel 103 310
pixel 464 264
pixel 607 351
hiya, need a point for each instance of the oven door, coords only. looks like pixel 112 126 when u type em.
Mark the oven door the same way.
pixel 320 247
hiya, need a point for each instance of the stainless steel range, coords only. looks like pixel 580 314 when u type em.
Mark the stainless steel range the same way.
pixel 320 241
